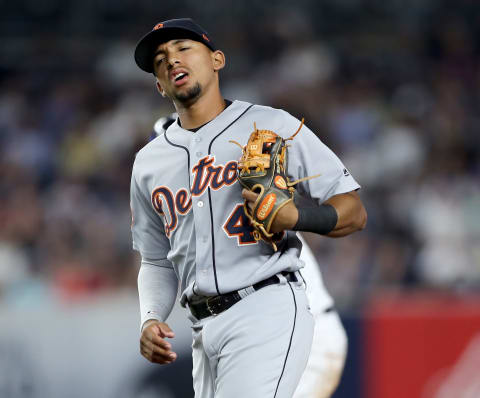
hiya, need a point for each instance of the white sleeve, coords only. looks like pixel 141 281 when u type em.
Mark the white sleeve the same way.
pixel 148 231
pixel 309 156
pixel 157 289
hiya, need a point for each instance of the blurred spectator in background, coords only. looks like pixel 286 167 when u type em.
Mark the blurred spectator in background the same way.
pixel 394 89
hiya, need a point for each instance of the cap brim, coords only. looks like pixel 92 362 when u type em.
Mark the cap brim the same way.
pixel 147 45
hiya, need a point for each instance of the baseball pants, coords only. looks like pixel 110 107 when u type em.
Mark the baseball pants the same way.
pixel 257 349
pixel 327 358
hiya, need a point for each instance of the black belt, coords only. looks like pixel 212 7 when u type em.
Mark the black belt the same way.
pixel 215 305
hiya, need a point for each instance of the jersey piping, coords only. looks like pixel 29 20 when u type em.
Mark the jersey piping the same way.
pixel 290 342
pixel 188 159
pixel 212 229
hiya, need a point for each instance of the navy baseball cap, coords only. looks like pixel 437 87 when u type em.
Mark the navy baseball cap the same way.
pixel 182 28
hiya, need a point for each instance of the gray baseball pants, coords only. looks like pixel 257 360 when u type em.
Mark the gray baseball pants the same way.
pixel 257 349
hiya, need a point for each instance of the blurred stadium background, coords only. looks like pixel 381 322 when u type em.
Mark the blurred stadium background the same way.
pixel 393 86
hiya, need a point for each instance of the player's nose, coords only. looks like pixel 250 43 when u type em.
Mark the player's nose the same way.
pixel 172 61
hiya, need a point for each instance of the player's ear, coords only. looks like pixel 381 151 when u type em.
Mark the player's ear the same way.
pixel 160 89
pixel 218 58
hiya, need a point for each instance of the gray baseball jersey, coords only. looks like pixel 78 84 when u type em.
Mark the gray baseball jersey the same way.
pixel 187 205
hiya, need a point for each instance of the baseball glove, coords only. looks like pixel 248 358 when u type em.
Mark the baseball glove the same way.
pixel 263 170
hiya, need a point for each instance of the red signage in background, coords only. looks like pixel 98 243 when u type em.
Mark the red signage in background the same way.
pixel 422 346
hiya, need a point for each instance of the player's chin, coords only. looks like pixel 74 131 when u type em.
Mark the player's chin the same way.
pixel 188 93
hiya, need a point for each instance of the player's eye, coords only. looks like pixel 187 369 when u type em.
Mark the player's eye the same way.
pixel 184 48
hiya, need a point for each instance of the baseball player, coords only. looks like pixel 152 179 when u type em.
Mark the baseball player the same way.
pixel 251 323
pixel 329 346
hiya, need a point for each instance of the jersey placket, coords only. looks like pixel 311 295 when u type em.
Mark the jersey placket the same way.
pixel 205 275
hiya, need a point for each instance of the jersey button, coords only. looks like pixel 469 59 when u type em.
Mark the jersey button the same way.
pixel 200 203
pixel 198 139
pixel 199 154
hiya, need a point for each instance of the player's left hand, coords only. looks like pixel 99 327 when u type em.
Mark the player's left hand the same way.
pixel 286 217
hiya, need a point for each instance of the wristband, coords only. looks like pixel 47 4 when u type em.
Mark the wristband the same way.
pixel 318 219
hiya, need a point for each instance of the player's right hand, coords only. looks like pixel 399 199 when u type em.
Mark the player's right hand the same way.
pixel 286 217
pixel 153 345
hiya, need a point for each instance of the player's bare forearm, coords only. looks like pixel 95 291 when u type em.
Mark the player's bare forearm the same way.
pixel 352 215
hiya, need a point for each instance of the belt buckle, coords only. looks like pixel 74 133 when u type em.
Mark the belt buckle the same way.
pixel 210 309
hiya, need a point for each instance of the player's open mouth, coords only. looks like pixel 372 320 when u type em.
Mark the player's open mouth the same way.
pixel 180 78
